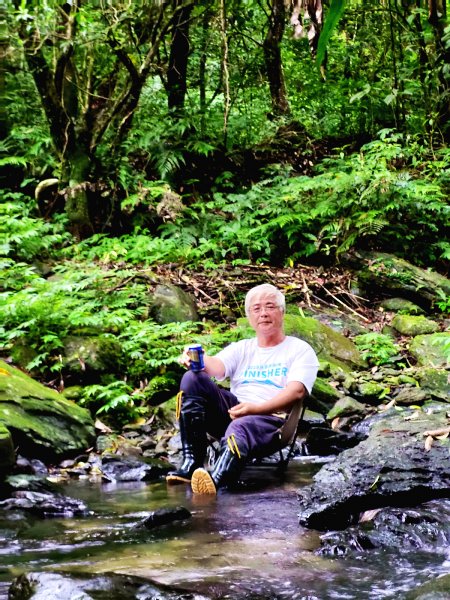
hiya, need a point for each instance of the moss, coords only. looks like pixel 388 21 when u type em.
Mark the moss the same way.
pixel 414 325
pixel 42 423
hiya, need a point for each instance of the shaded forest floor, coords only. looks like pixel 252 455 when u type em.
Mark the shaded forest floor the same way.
pixel 220 295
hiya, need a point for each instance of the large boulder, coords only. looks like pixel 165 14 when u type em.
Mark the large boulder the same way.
pixel 385 273
pixel 41 422
pixel 329 345
pixel 402 462
pixel 170 304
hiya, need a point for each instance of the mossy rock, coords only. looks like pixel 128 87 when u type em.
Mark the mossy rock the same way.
pixel 414 325
pixel 382 272
pixel 327 343
pixel 346 406
pixel 435 381
pixel 7 454
pixel 431 350
pixel 171 304
pixel 401 306
pixel 324 393
pixel 92 354
pixel 371 390
pixel 42 423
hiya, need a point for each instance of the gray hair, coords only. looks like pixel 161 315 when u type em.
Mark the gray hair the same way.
pixel 267 288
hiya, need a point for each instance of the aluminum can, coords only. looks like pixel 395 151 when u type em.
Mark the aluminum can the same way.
pixel 196 353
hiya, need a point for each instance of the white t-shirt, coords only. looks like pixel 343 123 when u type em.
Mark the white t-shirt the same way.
pixel 257 374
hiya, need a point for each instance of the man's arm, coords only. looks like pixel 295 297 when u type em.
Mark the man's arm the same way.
pixel 214 367
pixel 283 401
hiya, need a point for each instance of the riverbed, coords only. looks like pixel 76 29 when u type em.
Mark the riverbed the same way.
pixel 241 544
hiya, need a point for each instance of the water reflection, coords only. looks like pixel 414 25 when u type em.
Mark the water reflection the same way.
pixel 245 544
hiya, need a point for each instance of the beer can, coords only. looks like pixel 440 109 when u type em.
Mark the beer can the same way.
pixel 196 353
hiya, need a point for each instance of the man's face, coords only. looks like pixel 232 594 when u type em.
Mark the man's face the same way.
pixel 264 315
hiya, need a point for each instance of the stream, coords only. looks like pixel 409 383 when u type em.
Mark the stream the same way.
pixel 244 544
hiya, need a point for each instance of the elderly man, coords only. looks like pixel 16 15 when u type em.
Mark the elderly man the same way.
pixel 268 374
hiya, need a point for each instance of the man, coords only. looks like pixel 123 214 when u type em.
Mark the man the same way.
pixel 268 374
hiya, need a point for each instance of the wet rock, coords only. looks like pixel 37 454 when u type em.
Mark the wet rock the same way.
pixel 116 468
pixel 30 466
pixel 436 589
pixel 426 527
pixel 46 586
pixel 323 441
pixel 414 325
pixel 42 423
pixel 392 467
pixel 164 516
pixel 44 504
pixel 54 586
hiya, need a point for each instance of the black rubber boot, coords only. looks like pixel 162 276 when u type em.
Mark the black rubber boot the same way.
pixel 193 442
pixel 226 471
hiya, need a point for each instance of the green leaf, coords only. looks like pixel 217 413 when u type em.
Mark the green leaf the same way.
pixel 334 14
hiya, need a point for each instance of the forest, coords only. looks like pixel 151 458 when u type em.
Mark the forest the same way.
pixel 197 140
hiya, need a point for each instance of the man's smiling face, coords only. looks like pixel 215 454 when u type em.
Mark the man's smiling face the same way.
pixel 265 316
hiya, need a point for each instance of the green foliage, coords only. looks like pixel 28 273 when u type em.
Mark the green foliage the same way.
pixel 369 199
pixel 118 400
pixel 376 348
pixel 24 235
pixel 443 302
pixel 332 18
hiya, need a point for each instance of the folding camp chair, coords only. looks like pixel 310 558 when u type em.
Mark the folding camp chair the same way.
pixel 288 434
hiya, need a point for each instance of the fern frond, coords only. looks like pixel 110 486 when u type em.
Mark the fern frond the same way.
pixel 15 161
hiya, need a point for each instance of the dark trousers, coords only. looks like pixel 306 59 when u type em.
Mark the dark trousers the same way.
pixel 255 435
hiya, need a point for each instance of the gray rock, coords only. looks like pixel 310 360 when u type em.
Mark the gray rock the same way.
pixel 391 467
pixel 171 304
pixel 44 504
pixel 164 516
pixel 119 468
pixel 431 350
pixel 382 272
pixel 401 305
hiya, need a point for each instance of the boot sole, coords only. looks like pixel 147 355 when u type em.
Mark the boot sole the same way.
pixel 202 482
pixel 176 479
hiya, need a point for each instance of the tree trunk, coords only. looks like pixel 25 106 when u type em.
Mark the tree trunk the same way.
pixel 77 169
pixel 272 57
pixel 178 61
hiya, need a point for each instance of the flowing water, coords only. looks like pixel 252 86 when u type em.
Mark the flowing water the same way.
pixel 245 544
